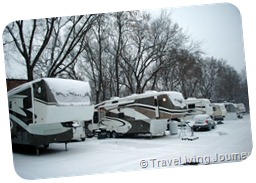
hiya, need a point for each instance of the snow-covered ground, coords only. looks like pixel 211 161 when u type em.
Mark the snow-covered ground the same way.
pixel 229 142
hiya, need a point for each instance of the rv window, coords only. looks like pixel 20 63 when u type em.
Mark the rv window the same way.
pixel 121 115
pixel 200 106
pixel 146 101
pixel 155 102
pixel 191 106
pixel 40 91
pixel 95 117
pixel 27 102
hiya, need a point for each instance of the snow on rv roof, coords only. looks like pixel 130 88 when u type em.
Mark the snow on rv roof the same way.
pixel 176 98
pixel 66 86
pixel 66 91
pixel 69 92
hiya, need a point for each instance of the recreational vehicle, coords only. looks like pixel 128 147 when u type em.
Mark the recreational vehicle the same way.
pixel 48 110
pixel 240 110
pixel 219 111
pixel 199 106
pixel 147 113
pixel 231 111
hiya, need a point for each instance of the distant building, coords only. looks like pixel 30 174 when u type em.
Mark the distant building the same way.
pixel 12 83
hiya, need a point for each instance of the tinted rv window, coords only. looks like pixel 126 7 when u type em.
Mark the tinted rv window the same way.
pixel 146 101
pixel 95 117
pixel 27 100
pixel 166 102
pixel 191 106
pixel 43 93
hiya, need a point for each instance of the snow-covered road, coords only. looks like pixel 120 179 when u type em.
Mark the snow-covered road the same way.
pixel 231 141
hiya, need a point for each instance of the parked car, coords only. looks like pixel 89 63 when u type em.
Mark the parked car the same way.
pixel 203 122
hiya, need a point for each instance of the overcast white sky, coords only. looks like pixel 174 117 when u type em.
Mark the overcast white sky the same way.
pixel 218 26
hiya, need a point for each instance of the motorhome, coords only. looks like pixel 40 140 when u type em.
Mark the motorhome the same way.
pixel 240 110
pixel 48 110
pixel 199 106
pixel 147 113
pixel 231 111
pixel 219 111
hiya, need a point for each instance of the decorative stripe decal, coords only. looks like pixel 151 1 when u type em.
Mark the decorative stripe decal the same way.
pixel 161 109
pixel 24 119
pixel 117 119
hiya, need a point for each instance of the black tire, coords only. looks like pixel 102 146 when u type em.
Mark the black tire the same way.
pixel 209 127
pixel 109 134
pixel 45 146
pixel 214 126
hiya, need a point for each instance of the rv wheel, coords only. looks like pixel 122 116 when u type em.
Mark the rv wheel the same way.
pixel 45 146
pixel 83 139
pixel 108 134
pixel 114 134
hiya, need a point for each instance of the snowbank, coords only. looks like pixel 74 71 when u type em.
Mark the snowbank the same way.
pixel 229 142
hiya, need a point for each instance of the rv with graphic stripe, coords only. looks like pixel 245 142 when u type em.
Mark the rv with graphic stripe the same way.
pixel 147 113
pixel 48 110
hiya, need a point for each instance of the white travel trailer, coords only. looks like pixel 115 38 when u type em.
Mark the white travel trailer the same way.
pixel 219 111
pixel 47 110
pixel 199 106
pixel 240 110
pixel 231 111
pixel 147 113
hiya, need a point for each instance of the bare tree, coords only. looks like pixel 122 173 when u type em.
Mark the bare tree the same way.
pixel 149 43
pixel 67 43
pixel 50 46
pixel 208 85
pixel 30 39
pixel 121 28
pixel 95 56
pixel 228 83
